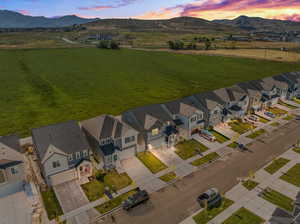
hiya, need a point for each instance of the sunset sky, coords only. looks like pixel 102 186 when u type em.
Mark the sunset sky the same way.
pixel 157 9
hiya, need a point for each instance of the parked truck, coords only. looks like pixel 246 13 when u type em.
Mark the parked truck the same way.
pixel 139 197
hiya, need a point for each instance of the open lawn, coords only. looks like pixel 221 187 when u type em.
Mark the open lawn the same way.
pixel 188 149
pixel 219 137
pixel 204 217
pixel 233 145
pixel 240 127
pixel 296 100
pixel 262 119
pixel 256 133
pixel 45 86
pixel 114 203
pixel 117 181
pixel 205 159
pixel 278 199
pixel 168 177
pixel 288 117
pixel 151 162
pixel 276 165
pixel 243 216
pixel 293 175
pixel 51 204
pixel 250 184
pixel 93 190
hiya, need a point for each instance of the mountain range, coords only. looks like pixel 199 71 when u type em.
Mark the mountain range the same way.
pixel 11 19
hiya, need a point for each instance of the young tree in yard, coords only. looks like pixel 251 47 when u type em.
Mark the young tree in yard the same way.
pixel 171 44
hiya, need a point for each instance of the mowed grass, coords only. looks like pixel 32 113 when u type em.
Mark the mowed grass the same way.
pixel 278 199
pixel 188 149
pixel 46 86
pixel 51 204
pixel 205 159
pixel 151 162
pixel 257 133
pixel 276 165
pixel 243 216
pixel 168 177
pixel 293 175
pixel 250 184
pixel 219 137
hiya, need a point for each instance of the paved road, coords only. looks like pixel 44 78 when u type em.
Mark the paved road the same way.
pixel 173 204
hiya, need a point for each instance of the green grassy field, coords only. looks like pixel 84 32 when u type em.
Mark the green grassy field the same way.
pixel 45 86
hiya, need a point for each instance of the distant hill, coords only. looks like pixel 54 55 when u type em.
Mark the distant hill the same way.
pixel 10 19
pixel 179 24
pixel 260 24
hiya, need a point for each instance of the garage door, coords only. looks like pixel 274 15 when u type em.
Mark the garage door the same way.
pixel 157 143
pixel 128 153
pixel 63 177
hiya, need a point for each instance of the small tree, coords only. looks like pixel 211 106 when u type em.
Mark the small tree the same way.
pixel 207 44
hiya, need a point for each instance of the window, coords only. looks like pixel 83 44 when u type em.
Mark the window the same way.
pixel 2 177
pixel 155 131
pixel 70 157
pixel 129 139
pixel 13 170
pixel 81 154
pixel 193 119
pixel 77 155
pixel 56 164
pixel 85 153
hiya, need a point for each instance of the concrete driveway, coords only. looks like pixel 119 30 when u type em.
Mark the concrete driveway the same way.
pixel 141 175
pixel 15 209
pixel 71 196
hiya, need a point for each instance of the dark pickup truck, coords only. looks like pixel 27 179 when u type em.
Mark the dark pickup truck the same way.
pixel 210 199
pixel 135 199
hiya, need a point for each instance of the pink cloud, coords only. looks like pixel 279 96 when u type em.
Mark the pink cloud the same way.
pixel 293 17
pixel 96 8
pixel 24 12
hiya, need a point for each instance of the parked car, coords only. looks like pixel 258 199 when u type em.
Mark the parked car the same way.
pixel 270 114
pixel 139 197
pixel 211 198
pixel 207 135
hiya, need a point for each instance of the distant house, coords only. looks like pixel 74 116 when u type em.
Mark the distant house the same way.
pixel 239 101
pixel 12 168
pixel 63 152
pixel 293 80
pixel 156 127
pixel 111 139
pixel 188 115
pixel 214 108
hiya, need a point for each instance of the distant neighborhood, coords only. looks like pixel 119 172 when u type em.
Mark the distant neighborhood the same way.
pixel 75 150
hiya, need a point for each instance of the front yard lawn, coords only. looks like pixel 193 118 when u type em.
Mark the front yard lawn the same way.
pixel 205 159
pixel 243 216
pixel 296 100
pixel 288 117
pixel 256 133
pixel 51 204
pixel 151 161
pixel 233 145
pixel 288 105
pixel 262 119
pixel 293 175
pixel 297 149
pixel 240 127
pixel 117 181
pixel 275 124
pixel 168 177
pixel 114 203
pixel 250 184
pixel 204 217
pixel 219 137
pixel 278 112
pixel 278 199
pixel 188 149
pixel 276 165
pixel 93 190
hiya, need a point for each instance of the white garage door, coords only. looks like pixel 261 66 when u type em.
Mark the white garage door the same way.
pixel 63 177
pixel 127 153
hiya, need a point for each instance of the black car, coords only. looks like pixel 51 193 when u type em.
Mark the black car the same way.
pixel 211 198
pixel 136 199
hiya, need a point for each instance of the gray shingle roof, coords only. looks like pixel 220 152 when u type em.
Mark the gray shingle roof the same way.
pixel 251 89
pixel 105 126
pixel 66 136
pixel 12 141
pixel 236 93
pixel 209 100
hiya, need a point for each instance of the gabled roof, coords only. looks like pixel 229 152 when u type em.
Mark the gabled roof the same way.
pixel 147 118
pixel 10 151
pixel 292 77
pixel 250 88
pixel 209 100
pixel 223 94
pixel 66 136
pixel 236 93
pixel 105 126
pixel 277 82
pixel 186 106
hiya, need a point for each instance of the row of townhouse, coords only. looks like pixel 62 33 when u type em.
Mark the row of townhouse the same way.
pixel 64 150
